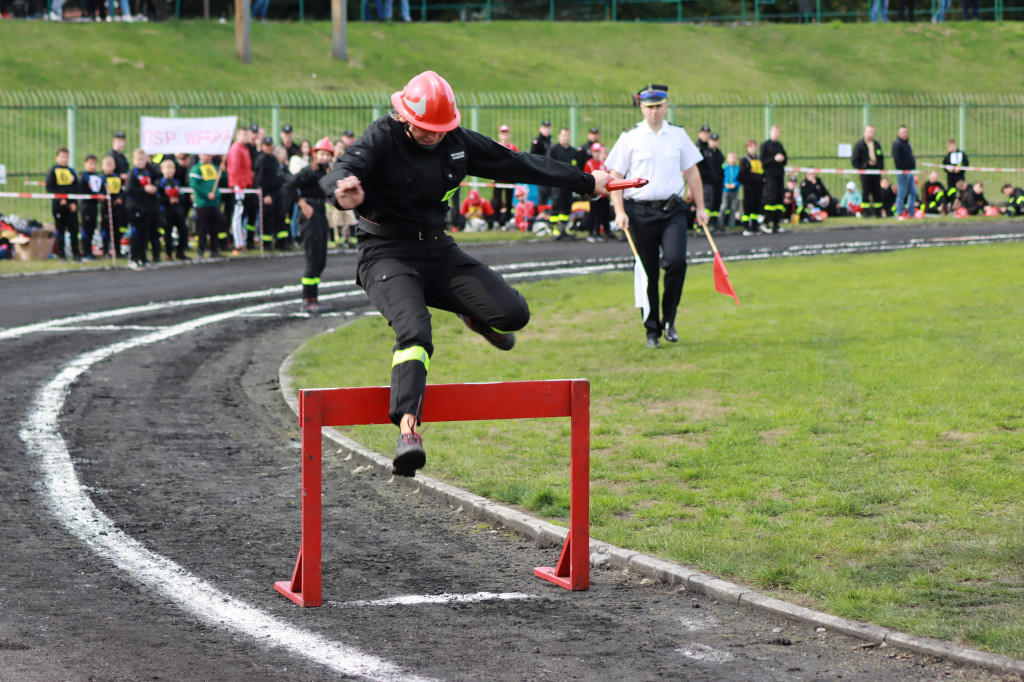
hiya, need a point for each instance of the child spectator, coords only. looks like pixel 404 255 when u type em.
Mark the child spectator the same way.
pixel 62 180
pixel 91 183
pixel 888 197
pixel 143 211
pixel 202 178
pixel 600 214
pixel 526 210
pixel 974 199
pixel 850 203
pixel 1015 200
pixel 790 211
pixel 478 212
pixel 114 226
pixel 730 191
pixel 751 176
pixel 933 197
pixel 172 211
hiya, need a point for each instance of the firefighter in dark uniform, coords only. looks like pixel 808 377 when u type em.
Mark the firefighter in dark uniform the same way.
pixel 773 160
pixel 267 176
pixel 540 146
pixel 305 189
pixel 751 176
pixel 400 175
pixel 867 155
pixel 1014 200
pixel 716 163
pixel 561 198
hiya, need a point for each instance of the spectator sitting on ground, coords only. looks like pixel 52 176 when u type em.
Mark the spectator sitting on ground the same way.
pixel 790 211
pixel 888 197
pixel 1015 200
pixel 850 203
pixel 817 201
pixel 961 192
pixel 974 199
pixel 526 210
pixel 479 212
pixel 933 196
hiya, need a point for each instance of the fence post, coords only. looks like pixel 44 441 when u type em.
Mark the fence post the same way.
pixel 474 117
pixel 767 119
pixel 275 122
pixel 615 10
pixel 73 133
pixel 574 122
pixel 962 124
pixel 867 113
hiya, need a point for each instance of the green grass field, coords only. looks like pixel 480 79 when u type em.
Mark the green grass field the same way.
pixel 518 56
pixel 849 438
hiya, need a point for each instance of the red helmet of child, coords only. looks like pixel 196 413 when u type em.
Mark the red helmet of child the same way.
pixel 474 197
pixel 428 102
pixel 324 145
pixel 521 191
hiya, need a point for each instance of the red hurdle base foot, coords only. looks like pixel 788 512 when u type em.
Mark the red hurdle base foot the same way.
pixel 285 588
pixel 548 573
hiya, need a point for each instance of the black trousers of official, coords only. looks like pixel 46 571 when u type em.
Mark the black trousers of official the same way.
pixel 660 240
pixel 66 222
pixel 313 233
pixel 208 224
pixel 774 187
pixel 871 195
pixel 403 278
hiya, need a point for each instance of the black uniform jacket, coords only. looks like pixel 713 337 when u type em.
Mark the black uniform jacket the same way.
pixel 408 185
pixel 862 155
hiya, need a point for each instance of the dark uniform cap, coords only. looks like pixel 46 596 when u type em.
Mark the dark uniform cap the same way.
pixel 347 133
pixel 545 123
pixel 119 134
pixel 286 128
pixel 268 140
pixel 714 136
pixel 705 129
pixel 254 128
pixel 653 94
pixel 595 130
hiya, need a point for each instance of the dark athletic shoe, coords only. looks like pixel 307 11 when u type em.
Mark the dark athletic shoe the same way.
pixel 497 339
pixel 671 335
pixel 409 455
pixel 653 342
pixel 315 307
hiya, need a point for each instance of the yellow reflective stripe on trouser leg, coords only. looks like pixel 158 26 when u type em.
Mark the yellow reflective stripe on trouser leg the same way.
pixel 310 281
pixel 412 353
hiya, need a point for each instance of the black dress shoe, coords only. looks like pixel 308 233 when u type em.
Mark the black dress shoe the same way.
pixel 653 342
pixel 671 334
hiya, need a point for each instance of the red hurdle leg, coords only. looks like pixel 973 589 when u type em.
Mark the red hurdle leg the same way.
pixel 305 586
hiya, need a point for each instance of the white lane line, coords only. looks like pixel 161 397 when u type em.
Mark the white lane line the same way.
pixel 76 512
pixel 432 599
pixel 705 654
pixel 113 328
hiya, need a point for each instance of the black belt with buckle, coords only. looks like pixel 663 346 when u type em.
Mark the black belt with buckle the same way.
pixel 405 235
pixel 653 204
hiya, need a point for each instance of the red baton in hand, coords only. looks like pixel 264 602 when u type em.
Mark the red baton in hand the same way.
pixel 626 184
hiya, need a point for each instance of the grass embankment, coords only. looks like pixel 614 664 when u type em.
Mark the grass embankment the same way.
pixel 850 438
pixel 517 56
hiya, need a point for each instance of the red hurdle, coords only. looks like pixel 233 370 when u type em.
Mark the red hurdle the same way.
pixel 447 403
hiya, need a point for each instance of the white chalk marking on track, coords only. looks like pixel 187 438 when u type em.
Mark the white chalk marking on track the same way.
pixel 704 653
pixel 433 599
pixel 75 510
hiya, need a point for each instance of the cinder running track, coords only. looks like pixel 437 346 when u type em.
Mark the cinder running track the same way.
pixel 149 490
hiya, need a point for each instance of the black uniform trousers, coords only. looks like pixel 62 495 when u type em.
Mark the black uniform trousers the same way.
pixel 403 278
pixel 502 201
pixel 774 210
pixel 90 211
pixel 871 195
pixel 143 233
pixel 313 233
pixel 66 222
pixel 208 225
pixel 174 217
pixel 660 240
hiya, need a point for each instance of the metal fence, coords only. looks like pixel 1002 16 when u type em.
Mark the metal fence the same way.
pixel 989 128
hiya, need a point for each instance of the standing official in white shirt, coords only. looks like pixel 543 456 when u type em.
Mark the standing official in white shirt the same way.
pixel 655 214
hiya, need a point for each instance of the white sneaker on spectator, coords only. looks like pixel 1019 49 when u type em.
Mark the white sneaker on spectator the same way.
pixel 53 16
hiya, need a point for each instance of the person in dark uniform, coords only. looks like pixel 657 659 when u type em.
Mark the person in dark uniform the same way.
pixel 540 145
pixel 655 215
pixel 561 198
pixel 62 180
pixel 867 155
pixel 399 176
pixel 121 164
pixel 751 176
pixel 716 170
pixel 305 189
pixel 773 160
pixel 953 162
pixel 267 176
pixel 288 141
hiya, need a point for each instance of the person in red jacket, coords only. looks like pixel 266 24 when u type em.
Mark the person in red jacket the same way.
pixel 599 217
pixel 526 210
pixel 239 167
pixel 479 212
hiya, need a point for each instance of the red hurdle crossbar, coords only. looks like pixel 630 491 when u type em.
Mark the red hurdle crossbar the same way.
pixel 447 403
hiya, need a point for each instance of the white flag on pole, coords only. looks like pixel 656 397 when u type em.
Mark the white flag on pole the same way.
pixel 640 288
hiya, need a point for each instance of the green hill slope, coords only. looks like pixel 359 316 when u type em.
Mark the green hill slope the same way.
pixel 518 56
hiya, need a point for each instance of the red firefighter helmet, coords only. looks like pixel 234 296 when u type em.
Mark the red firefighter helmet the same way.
pixel 428 102
pixel 323 145
pixel 474 197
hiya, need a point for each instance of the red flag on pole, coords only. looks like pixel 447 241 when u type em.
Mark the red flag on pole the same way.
pixel 722 284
